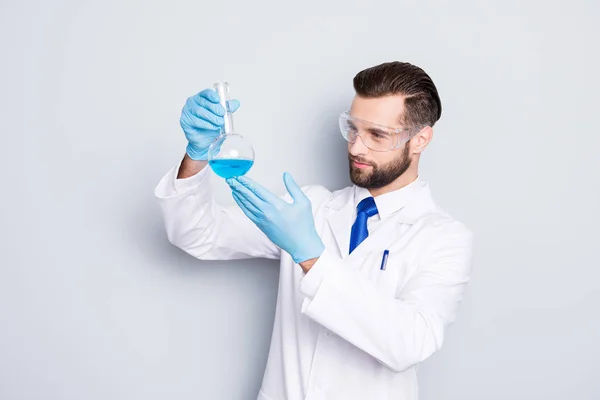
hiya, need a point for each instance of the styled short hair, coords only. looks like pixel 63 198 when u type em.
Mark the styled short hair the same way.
pixel 422 102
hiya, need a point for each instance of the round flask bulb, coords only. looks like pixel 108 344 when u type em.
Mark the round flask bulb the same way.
pixel 231 155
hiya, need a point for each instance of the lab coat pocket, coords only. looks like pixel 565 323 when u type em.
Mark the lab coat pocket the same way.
pixel 386 279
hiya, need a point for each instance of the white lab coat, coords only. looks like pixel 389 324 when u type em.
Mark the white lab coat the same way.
pixel 346 330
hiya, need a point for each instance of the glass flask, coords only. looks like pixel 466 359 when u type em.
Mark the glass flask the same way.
pixel 230 154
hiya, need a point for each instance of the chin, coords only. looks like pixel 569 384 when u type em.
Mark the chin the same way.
pixel 359 179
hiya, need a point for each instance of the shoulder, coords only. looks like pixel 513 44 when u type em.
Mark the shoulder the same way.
pixel 321 197
pixel 316 191
pixel 450 231
pixel 425 207
pixel 318 194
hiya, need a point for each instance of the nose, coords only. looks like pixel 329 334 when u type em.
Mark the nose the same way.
pixel 358 147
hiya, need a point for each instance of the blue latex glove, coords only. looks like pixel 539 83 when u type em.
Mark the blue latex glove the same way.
pixel 289 226
pixel 201 121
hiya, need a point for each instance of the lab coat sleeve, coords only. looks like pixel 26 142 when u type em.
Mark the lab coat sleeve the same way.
pixel 197 224
pixel 402 330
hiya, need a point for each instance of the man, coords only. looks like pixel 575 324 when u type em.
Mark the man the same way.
pixel 371 275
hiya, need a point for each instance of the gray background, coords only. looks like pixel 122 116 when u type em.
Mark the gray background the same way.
pixel 94 302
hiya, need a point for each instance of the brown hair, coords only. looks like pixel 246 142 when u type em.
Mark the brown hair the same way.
pixel 422 102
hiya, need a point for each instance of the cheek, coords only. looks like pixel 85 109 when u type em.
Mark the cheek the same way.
pixel 383 159
pixel 386 159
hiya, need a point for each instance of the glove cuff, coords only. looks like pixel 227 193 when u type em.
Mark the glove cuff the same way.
pixel 195 154
pixel 315 251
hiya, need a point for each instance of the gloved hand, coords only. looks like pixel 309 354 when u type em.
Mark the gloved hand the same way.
pixel 289 226
pixel 201 121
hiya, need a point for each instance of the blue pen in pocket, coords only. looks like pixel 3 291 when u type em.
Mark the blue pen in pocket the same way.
pixel 384 259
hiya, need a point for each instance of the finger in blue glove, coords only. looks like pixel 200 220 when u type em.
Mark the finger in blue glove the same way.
pixel 201 120
pixel 290 226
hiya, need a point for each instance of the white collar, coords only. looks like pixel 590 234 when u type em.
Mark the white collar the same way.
pixel 391 202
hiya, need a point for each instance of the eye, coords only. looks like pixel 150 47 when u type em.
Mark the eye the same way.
pixel 378 135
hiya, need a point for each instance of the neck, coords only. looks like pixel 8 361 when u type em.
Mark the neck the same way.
pixel 403 180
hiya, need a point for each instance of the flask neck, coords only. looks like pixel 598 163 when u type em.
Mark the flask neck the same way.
pixel 222 89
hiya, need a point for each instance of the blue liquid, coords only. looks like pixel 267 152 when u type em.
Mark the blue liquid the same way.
pixel 230 167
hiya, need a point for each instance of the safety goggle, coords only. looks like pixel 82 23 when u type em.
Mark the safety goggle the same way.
pixel 375 137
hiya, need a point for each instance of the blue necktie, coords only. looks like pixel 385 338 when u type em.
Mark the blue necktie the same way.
pixel 365 209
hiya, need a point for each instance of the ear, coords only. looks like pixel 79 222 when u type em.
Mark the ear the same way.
pixel 420 141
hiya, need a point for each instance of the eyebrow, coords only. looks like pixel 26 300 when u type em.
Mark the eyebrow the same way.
pixel 371 130
pixel 378 131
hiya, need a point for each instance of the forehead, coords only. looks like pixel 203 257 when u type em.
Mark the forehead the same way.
pixel 381 110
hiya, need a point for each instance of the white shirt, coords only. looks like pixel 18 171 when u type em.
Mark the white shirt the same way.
pixel 346 329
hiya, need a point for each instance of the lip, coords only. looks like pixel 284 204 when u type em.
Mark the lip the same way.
pixel 360 165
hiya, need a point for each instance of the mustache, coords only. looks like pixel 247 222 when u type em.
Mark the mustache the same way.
pixel 359 160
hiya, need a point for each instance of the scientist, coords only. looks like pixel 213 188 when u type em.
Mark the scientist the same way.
pixel 370 275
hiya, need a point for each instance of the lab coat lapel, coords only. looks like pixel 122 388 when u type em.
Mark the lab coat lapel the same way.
pixel 388 235
pixel 383 237
pixel 340 220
